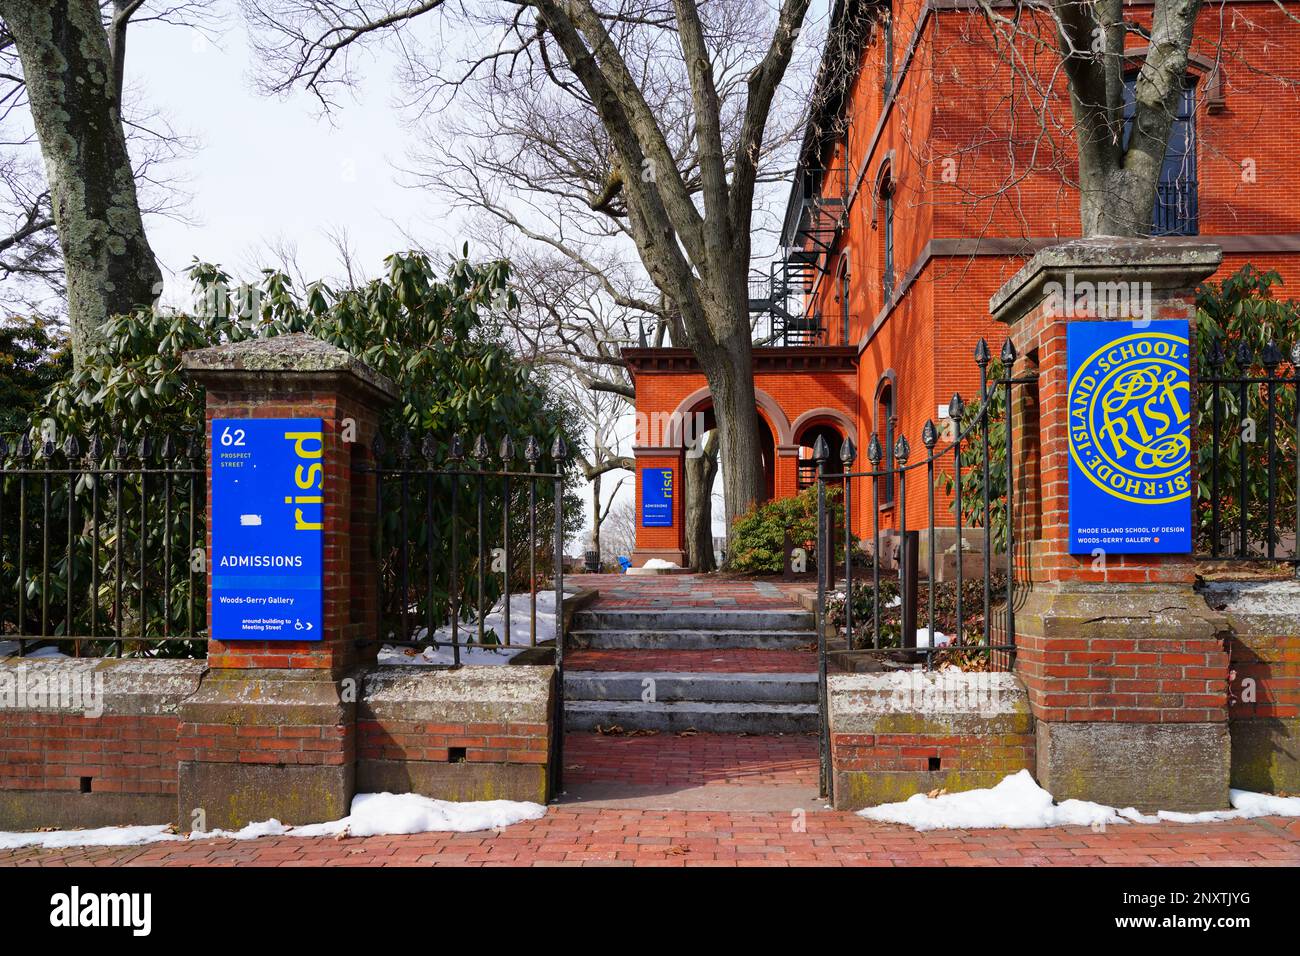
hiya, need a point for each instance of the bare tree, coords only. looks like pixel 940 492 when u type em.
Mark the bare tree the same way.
pixel 564 322
pixel 64 63
pixel 688 212
pixel 620 530
pixel 1087 93
pixel 567 321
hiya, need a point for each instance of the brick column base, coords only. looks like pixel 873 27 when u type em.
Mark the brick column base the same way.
pixel 262 744
pixel 1127 685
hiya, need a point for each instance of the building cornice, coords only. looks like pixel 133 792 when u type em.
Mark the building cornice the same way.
pixel 1250 244
pixel 802 358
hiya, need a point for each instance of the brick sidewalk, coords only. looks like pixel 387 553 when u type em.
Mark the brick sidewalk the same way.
pixel 577 836
pixel 668 760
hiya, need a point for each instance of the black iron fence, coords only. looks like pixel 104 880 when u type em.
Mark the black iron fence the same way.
pixel 467 543
pixel 962 610
pixel 1248 455
pixel 102 553
pixel 470 551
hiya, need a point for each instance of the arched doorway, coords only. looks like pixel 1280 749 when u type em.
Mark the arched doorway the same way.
pixel 695 423
pixel 828 423
pixel 807 440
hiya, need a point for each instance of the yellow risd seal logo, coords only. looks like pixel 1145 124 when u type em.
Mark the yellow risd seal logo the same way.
pixel 1130 418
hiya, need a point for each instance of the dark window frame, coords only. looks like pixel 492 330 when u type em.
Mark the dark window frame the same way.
pixel 887 27
pixel 886 416
pixel 1176 211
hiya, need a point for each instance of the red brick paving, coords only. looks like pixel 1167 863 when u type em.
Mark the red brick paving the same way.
pixel 667 760
pixel 579 836
pixel 723 660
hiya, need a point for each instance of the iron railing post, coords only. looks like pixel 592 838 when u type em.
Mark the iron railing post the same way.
pixel 1008 363
pixel 820 453
pixel 559 452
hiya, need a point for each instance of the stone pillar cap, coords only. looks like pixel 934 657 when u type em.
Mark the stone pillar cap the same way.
pixel 1165 263
pixel 293 356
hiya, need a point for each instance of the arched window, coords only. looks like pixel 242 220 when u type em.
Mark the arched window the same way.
pixel 886 200
pixel 887 31
pixel 884 428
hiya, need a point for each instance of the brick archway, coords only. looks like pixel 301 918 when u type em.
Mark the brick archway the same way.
pixel 832 416
pixel 767 406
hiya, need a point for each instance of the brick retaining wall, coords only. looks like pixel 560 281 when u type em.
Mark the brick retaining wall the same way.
pixel 906 732
pixel 1264 690
pixel 61 766
pixel 471 734
pixel 108 757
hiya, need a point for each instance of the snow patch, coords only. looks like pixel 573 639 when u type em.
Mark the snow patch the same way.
pixel 10 649
pixel 923 638
pixel 1019 803
pixel 494 622
pixel 103 836
pixel 659 564
pixel 373 814
pixel 377 814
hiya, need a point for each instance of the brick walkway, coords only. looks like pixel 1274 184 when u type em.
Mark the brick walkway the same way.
pixel 578 836
pixel 668 760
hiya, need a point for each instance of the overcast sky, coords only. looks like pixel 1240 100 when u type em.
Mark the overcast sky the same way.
pixel 268 167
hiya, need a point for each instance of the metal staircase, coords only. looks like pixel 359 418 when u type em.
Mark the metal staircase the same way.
pixel 813 226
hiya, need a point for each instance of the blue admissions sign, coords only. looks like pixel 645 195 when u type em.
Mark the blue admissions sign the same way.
pixel 1129 413
pixel 657 498
pixel 267 521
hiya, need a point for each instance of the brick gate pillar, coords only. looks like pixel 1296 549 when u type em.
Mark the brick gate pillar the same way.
pixel 272 730
pixel 1124 661
pixel 664 537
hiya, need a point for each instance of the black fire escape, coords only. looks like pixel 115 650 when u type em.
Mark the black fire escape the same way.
pixel 813 225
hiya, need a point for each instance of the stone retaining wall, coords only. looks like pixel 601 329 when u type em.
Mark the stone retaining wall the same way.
pixel 906 732
pixel 156 741
pixel 1264 684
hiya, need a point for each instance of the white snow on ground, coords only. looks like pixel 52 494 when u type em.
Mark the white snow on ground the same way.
pixel 923 638
pixel 373 814
pixel 104 836
pixel 10 649
pixel 659 564
pixel 1019 803
pixel 520 627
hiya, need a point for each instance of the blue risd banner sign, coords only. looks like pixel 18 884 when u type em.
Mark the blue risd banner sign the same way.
pixel 1130 437
pixel 657 498
pixel 267 518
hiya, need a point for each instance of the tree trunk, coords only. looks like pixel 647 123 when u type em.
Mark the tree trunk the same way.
pixel 69 73
pixel 1116 202
pixel 595 513
pixel 701 472
pixel 729 370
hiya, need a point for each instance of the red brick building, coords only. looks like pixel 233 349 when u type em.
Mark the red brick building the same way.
pixel 929 172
